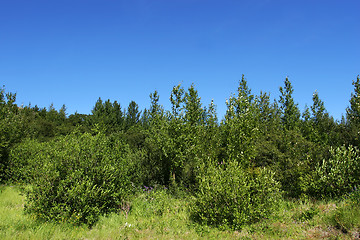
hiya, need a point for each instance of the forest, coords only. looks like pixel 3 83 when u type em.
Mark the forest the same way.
pixel 230 172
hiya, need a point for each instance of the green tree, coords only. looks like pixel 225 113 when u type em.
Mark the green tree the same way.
pixel 267 152
pixel 353 112
pixel 322 124
pixel 194 113
pixel 177 101
pixel 155 109
pixel 11 128
pixel 353 115
pixel 290 111
pixel 240 127
pixel 132 114
pixel 107 117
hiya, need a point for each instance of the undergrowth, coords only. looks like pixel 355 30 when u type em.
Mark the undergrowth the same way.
pixel 158 214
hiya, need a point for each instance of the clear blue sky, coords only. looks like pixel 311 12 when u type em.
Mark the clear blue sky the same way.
pixel 74 51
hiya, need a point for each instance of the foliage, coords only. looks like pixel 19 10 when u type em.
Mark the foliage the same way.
pixel 240 127
pixel 339 174
pixel 107 117
pixel 230 196
pixel 25 159
pixel 179 140
pixel 353 115
pixel 143 221
pixel 175 149
pixel 10 129
pixel 80 177
pixel 291 113
pixel 347 216
pixel 353 112
pixel 132 114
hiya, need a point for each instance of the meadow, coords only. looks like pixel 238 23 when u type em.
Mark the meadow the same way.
pixel 156 214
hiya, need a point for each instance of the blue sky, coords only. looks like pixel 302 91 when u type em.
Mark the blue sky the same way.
pixel 74 51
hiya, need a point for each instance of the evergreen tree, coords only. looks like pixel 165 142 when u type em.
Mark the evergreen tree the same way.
pixel 307 124
pixel 321 121
pixel 132 114
pixel 156 110
pixel 107 117
pixel 317 109
pixel 353 112
pixel 290 111
pixel 194 113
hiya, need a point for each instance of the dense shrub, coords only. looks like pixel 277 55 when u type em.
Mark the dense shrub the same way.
pixel 11 129
pixel 24 160
pixel 79 177
pixel 230 196
pixel 339 174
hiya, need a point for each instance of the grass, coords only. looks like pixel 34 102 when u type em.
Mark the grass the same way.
pixel 159 215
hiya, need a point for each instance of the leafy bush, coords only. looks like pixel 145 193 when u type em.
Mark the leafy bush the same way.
pixel 11 127
pixel 24 160
pixel 340 174
pixel 79 177
pixel 230 196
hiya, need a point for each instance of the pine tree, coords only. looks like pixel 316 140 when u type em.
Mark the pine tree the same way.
pixel 194 113
pixel 132 114
pixel 290 111
pixel 353 112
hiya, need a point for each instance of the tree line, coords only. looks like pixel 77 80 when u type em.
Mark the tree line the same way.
pixel 261 149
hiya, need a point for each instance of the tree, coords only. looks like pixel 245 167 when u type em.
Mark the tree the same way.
pixel 177 101
pixel 240 127
pixel 194 113
pixel 107 117
pixel 353 112
pixel 239 105
pixel 211 116
pixel 267 152
pixel 322 124
pixel 132 114
pixel 11 128
pixel 317 109
pixel 290 111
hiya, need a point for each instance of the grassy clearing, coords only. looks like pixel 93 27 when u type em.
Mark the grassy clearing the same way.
pixel 158 215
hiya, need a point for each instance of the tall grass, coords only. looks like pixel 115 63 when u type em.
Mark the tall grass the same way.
pixel 157 214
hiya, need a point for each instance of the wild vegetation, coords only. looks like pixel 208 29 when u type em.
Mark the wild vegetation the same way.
pixel 180 173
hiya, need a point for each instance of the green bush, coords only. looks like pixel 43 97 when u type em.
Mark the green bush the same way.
pixel 340 174
pixel 230 197
pixel 24 160
pixel 79 177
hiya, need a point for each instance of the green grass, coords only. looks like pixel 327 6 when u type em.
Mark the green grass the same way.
pixel 159 215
